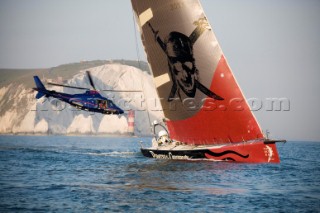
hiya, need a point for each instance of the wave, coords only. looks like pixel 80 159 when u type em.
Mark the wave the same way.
pixel 113 153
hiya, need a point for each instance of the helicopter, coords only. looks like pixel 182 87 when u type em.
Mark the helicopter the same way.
pixel 90 100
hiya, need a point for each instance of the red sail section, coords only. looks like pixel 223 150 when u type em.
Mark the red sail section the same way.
pixel 219 122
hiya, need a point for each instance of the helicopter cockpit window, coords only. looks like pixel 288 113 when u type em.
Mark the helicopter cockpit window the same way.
pixel 102 104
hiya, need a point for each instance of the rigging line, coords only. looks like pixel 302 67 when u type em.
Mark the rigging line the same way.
pixel 138 57
pixel 136 39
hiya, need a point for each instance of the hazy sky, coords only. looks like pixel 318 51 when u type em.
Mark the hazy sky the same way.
pixel 273 47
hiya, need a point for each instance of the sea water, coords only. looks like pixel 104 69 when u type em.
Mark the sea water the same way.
pixel 109 174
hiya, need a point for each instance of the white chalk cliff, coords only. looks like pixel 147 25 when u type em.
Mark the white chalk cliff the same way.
pixel 21 113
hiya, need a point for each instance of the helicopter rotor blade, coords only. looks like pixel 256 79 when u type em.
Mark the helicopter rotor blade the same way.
pixel 61 85
pixel 111 90
pixel 90 80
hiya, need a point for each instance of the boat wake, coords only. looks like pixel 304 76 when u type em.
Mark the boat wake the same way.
pixel 113 154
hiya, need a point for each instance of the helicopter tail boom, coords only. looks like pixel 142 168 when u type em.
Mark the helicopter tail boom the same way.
pixel 40 95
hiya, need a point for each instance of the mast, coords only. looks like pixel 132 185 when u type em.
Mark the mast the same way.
pixel 201 100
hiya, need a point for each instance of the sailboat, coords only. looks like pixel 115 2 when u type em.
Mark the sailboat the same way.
pixel 205 113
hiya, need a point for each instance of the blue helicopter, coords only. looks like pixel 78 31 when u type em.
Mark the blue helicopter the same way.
pixel 91 100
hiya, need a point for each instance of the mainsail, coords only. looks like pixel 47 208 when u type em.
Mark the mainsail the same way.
pixel 200 97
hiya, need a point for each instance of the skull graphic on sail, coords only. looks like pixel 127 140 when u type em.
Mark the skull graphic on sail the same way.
pixel 181 62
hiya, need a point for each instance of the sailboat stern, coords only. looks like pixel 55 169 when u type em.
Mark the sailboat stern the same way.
pixel 246 152
pixel 252 152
